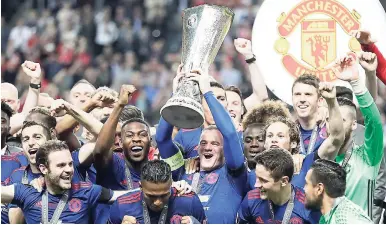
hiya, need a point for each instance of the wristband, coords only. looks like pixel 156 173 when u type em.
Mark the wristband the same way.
pixel 251 60
pixel 358 87
pixel 35 86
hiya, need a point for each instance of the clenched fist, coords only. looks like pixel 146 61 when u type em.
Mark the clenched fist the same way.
pixel 368 61
pixel 346 68
pixel 363 37
pixel 244 47
pixel 102 98
pixel 327 90
pixel 129 220
pixel 125 94
pixel 59 108
pixel 32 69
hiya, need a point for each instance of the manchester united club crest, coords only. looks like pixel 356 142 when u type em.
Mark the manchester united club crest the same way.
pixel 318 36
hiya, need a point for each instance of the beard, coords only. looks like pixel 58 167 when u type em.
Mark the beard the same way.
pixel 57 183
pixel 314 204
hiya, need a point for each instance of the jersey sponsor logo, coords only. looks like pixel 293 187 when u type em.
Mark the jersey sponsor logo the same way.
pixel 176 219
pixel 50 205
pixel 259 220
pixel 296 220
pixel 75 205
pixel 211 178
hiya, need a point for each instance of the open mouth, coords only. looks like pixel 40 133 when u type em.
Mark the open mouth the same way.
pixel 232 115
pixel 67 178
pixel 32 151
pixel 136 148
pixel 208 155
pixel 302 106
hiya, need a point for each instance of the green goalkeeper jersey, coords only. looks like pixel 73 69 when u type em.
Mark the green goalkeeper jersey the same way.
pixel 345 211
pixel 363 165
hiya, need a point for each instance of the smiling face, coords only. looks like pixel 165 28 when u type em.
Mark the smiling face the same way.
pixel 136 141
pixel 278 136
pixel 305 100
pixel 4 125
pixel 235 106
pixel 253 141
pixel 211 150
pixel 60 169
pixel 32 138
pixel 266 183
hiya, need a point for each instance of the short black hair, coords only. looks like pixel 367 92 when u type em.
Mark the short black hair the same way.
pixel 35 123
pixel 136 120
pixel 156 171
pixel 331 175
pixel 278 161
pixel 308 79
pixel 344 92
pixel 44 116
pixel 342 101
pixel 216 84
pixel 130 112
pixel 47 148
pixel 237 91
pixel 7 109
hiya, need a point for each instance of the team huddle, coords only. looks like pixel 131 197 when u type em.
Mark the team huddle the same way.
pixel 95 159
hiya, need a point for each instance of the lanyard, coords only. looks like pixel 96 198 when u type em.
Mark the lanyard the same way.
pixel 24 180
pixel 311 144
pixel 347 156
pixel 288 209
pixel 128 176
pixel 197 182
pixel 146 217
pixel 58 211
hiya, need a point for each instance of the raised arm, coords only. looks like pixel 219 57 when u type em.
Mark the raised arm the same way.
pixel 167 148
pixel 260 93
pixel 76 116
pixel 233 151
pixel 369 63
pixel 330 147
pixel 34 71
pixel 93 125
pixel 7 194
pixel 102 153
pixel 347 70
pixel 367 44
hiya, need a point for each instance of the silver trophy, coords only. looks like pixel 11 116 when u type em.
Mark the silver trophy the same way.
pixel 204 30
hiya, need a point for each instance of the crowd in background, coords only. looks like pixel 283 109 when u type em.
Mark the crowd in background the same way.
pixel 125 41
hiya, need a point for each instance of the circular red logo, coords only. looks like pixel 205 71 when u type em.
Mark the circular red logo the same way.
pixel 75 205
pixel 296 220
pixel 211 178
pixel 176 219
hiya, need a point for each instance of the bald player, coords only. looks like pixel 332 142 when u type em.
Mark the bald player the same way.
pixel 10 95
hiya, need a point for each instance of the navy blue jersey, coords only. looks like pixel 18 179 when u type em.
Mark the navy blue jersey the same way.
pixel 222 189
pixel 299 180
pixel 114 176
pixel 9 163
pixel 320 137
pixel 82 197
pixel 256 210
pixel 189 140
pixel 178 206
